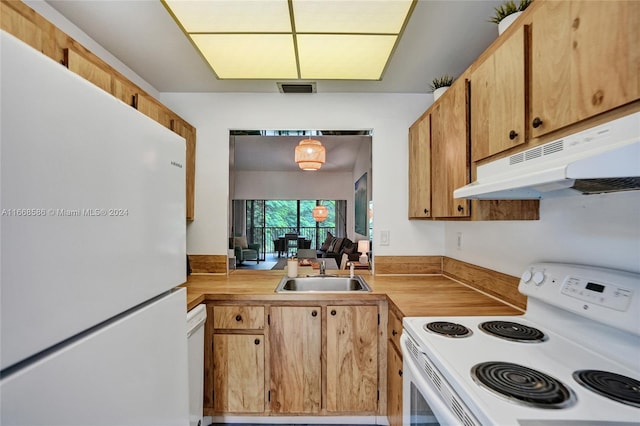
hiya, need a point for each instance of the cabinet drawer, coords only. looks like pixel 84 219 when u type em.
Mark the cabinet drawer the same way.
pixel 238 317
pixel 394 329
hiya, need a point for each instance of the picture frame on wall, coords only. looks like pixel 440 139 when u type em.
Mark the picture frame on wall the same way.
pixel 360 205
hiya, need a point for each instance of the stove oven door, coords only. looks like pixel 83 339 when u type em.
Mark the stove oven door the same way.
pixel 421 405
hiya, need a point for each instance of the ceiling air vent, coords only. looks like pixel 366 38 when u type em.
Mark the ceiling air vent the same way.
pixel 297 87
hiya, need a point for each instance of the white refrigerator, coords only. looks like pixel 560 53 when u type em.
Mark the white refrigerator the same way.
pixel 92 327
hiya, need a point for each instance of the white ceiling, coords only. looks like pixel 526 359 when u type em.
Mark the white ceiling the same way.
pixel 442 37
pixel 276 153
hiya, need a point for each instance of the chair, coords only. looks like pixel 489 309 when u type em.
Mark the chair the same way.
pixel 245 251
pixel 291 242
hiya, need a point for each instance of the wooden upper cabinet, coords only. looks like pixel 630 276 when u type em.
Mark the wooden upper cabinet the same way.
pixel 449 154
pixel 296 352
pixel 352 359
pixel 153 109
pixel 420 169
pixel 85 68
pixel 498 99
pixel 585 60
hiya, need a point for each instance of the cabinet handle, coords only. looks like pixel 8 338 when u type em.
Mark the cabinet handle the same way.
pixel 257 341
pixel 333 312
pixel 238 318
pixel 513 135
pixel 400 373
pixel 426 211
pixel 314 313
pixel 536 122
pixel 394 333
pixel 460 208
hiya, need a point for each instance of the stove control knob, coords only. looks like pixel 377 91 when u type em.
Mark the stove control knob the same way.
pixel 526 276
pixel 538 277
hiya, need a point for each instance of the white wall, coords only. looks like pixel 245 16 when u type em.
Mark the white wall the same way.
pixel 601 230
pixel 389 115
pixel 252 185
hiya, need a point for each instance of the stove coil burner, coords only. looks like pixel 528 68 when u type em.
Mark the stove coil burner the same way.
pixel 513 331
pixel 522 385
pixel 448 329
pixel 611 385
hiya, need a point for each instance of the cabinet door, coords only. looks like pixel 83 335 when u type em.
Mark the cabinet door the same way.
pixel 238 370
pixel 449 158
pixel 352 359
pixel 420 169
pixel 498 99
pixel 153 109
pixel 86 69
pixel 585 60
pixel 394 386
pixel 295 354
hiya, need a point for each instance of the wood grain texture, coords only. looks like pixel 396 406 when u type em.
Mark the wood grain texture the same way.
pixel 238 373
pixel 498 99
pixel 352 359
pixel 394 330
pixel 295 353
pixel 238 317
pixel 505 209
pixel 208 263
pixel 449 154
pixel 86 69
pixel 394 386
pixel 500 285
pixel 419 168
pixel 408 265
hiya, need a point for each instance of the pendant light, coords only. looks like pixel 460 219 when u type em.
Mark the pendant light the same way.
pixel 310 154
pixel 320 213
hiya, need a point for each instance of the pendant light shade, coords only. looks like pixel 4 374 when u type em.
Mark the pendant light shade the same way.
pixel 320 213
pixel 310 154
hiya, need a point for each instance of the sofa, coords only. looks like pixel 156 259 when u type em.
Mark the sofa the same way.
pixel 335 247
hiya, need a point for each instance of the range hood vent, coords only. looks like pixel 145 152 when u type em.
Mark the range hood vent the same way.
pixel 605 158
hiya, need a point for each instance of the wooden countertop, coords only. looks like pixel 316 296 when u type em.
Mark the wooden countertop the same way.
pixel 409 295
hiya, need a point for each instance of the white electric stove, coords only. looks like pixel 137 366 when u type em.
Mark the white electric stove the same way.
pixel 572 358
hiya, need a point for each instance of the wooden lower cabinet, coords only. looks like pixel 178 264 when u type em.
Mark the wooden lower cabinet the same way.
pixel 305 358
pixel 296 350
pixel 394 370
pixel 235 355
pixel 352 358
pixel 238 373
pixel 394 386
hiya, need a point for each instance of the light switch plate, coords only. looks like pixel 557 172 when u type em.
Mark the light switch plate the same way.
pixel 384 238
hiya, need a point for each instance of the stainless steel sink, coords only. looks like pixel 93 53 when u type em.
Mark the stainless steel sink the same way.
pixel 322 284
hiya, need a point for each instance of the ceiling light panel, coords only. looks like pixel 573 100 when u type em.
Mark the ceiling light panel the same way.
pixel 249 56
pixel 350 16
pixel 361 57
pixel 231 16
pixel 293 39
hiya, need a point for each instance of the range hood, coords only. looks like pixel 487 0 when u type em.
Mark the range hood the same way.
pixel 605 158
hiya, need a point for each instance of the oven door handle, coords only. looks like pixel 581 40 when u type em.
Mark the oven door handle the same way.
pixel 443 413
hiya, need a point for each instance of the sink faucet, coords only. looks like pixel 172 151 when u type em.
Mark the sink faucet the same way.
pixel 323 267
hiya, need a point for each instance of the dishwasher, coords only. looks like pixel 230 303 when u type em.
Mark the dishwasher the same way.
pixel 195 341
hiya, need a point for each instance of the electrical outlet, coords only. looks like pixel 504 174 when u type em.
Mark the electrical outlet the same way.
pixel 459 240
pixel 384 238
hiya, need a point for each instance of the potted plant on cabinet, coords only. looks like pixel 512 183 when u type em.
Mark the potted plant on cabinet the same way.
pixel 507 13
pixel 439 85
